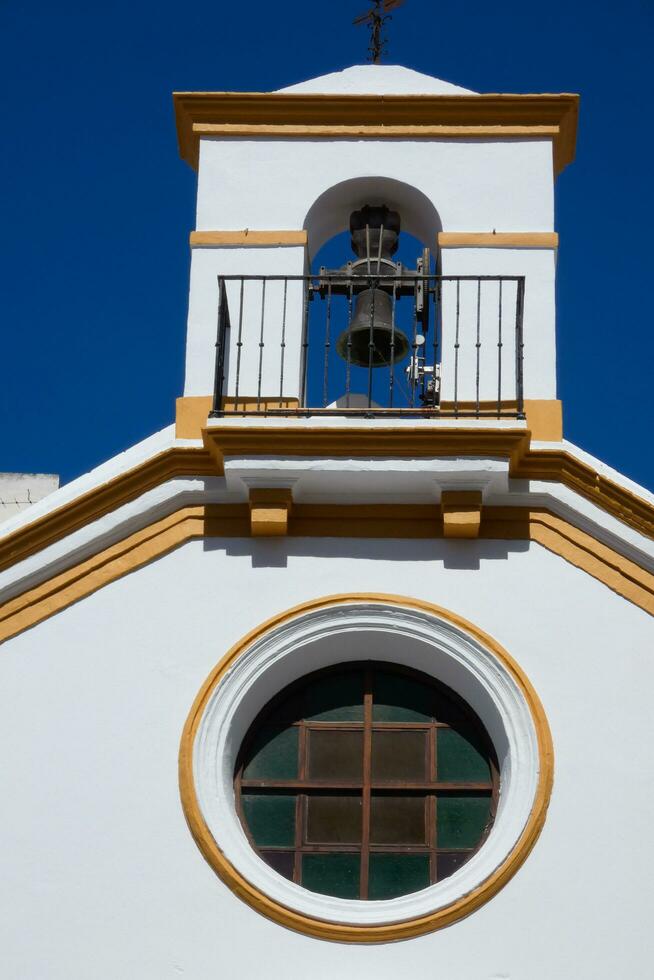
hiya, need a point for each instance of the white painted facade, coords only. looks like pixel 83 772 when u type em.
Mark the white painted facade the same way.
pixel 101 876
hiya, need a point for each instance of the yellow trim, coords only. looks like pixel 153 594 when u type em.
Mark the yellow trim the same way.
pixel 250 403
pixel 294 131
pixel 248 237
pixel 525 462
pixel 545 419
pixel 500 239
pixel 461 510
pixel 554 465
pixel 544 416
pixel 389 932
pixel 308 115
pixel 269 439
pixel 269 511
pixel 409 521
pixel 101 500
pixel 191 414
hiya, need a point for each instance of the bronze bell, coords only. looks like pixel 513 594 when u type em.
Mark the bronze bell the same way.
pixel 357 338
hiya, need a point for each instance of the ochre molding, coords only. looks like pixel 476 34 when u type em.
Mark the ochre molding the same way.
pixel 386 932
pixel 544 418
pixel 83 510
pixel 461 510
pixel 269 511
pixel 315 115
pixel 500 239
pixel 544 415
pixel 246 237
pixel 513 444
pixel 295 131
pixel 191 414
pixel 263 404
pixel 389 442
pixel 553 465
pixel 399 521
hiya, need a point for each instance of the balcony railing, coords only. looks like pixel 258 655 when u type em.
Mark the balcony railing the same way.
pixel 405 345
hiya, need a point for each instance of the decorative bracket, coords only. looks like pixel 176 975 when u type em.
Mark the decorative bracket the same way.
pixel 269 510
pixel 461 510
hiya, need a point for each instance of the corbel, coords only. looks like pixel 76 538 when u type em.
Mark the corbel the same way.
pixel 461 510
pixel 269 510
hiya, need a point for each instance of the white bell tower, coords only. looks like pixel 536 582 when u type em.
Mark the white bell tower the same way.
pixel 470 176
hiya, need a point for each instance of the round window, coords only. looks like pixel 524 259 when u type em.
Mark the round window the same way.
pixel 366 781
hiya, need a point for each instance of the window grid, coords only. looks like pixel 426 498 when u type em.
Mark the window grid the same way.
pixel 430 789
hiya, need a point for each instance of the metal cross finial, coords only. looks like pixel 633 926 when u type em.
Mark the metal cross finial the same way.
pixel 376 19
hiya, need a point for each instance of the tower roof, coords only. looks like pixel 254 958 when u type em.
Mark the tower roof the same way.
pixel 377 80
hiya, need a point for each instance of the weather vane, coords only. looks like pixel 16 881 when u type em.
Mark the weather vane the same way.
pixel 376 20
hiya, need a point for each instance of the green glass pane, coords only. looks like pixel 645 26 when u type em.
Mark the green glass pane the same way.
pixel 335 697
pixel 399 755
pixel 390 875
pixel 400 698
pixel 273 755
pixel 458 759
pixel 332 874
pixel 335 755
pixel 333 819
pixel 270 817
pixel 461 820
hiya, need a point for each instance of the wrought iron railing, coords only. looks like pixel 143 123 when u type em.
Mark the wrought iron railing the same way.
pixel 339 344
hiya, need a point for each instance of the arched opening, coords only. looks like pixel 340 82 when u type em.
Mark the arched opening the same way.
pixel 330 213
pixel 372 341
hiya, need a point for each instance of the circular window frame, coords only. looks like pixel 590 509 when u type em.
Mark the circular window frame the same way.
pixel 301 640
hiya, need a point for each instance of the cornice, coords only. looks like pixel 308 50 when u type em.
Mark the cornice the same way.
pixel 533 464
pixel 513 444
pixel 578 547
pixel 312 115
pixel 95 503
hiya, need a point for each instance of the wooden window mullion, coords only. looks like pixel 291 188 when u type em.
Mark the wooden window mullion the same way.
pixel 367 778
pixel 300 804
pixel 431 804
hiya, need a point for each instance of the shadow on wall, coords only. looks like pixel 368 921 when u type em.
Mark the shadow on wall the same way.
pixel 276 552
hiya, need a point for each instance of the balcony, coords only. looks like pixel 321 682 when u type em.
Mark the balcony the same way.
pixel 346 344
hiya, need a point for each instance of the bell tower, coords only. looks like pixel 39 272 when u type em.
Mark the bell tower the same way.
pixel 464 331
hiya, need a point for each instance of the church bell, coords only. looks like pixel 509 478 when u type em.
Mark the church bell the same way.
pixel 371 340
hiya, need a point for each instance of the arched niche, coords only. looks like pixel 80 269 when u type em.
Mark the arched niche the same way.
pixel 330 213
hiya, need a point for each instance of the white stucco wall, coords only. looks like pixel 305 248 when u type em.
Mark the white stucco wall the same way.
pixel 21 490
pixel 207 264
pixel 101 877
pixel 538 266
pixel 475 185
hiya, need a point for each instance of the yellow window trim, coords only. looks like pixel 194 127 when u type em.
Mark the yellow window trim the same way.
pixel 388 932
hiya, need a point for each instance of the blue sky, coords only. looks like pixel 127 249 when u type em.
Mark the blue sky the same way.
pixel 96 205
